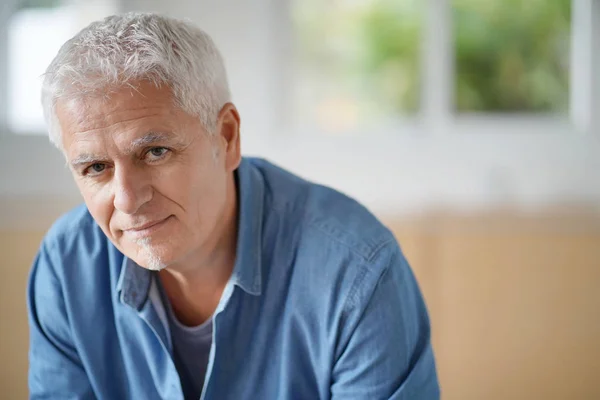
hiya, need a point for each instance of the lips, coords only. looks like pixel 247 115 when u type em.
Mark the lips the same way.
pixel 147 228
pixel 144 226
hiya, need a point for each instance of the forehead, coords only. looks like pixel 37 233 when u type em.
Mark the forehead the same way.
pixel 120 105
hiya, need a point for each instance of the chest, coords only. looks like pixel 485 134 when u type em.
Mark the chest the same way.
pixel 260 350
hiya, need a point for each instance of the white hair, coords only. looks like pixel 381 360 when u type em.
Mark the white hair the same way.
pixel 153 260
pixel 124 49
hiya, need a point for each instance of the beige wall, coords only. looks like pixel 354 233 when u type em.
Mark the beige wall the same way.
pixel 514 302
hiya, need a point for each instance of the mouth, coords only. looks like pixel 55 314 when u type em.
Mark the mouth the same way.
pixel 146 229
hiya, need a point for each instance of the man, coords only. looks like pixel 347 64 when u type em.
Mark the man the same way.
pixel 192 272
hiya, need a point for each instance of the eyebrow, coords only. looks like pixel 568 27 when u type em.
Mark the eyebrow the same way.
pixel 146 140
pixel 149 139
pixel 85 159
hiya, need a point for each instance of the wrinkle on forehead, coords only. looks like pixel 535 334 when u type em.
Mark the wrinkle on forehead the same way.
pixel 81 115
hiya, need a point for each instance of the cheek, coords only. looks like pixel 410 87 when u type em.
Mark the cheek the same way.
pixel 195 184
pixel 199 194
pixel 174 187
pixel 99 203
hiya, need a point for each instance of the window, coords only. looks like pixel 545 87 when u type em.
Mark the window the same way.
pixel 512 55
pixel 36 30
pixel 357 62
pixel 370 63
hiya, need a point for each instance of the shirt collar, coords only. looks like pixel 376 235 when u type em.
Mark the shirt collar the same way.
pixel 134 281
pixel 134 284
pixel 247 269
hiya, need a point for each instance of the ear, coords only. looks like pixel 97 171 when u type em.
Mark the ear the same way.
pixel 228 133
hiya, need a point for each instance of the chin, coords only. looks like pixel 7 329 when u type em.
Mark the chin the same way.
pixel 153 263
pixel 154 256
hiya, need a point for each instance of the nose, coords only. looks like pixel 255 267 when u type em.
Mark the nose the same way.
pixel 132 189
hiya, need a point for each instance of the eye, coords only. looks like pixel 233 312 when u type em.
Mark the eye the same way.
pixel 156 153
pixel 94 169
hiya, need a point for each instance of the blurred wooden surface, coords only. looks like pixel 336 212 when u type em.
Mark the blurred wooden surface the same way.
pixel 18 250
pixel 514 301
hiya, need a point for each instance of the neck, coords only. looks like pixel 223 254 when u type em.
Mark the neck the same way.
pixel 195 290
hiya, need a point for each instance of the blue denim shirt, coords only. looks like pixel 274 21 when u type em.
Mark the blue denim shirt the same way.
pixel 321 304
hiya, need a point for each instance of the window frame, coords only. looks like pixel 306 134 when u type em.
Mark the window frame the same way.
pixel 6 10
pixel 437 112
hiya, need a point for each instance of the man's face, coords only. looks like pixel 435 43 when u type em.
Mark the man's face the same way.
pixel 150 175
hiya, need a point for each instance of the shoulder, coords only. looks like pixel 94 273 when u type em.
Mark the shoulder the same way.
pixel 346 248
pixel 74 239
pixel 340 220
pixel 71 226
pixel 333 241
pixel 75 265
pixel 323 213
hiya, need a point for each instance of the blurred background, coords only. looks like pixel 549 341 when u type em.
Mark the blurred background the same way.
pixel 470 127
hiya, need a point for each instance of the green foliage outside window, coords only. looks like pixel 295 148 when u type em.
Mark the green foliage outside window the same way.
pixel 510 55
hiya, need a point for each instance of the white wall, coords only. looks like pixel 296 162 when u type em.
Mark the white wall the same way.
pixel 468 164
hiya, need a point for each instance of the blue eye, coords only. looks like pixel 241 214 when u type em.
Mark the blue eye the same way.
pixel 157 152
pixel 95 169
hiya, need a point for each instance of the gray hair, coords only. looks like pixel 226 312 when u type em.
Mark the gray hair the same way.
pixel 123 49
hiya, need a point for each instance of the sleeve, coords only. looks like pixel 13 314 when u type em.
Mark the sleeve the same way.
pixel 55 369
pixel 387 353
